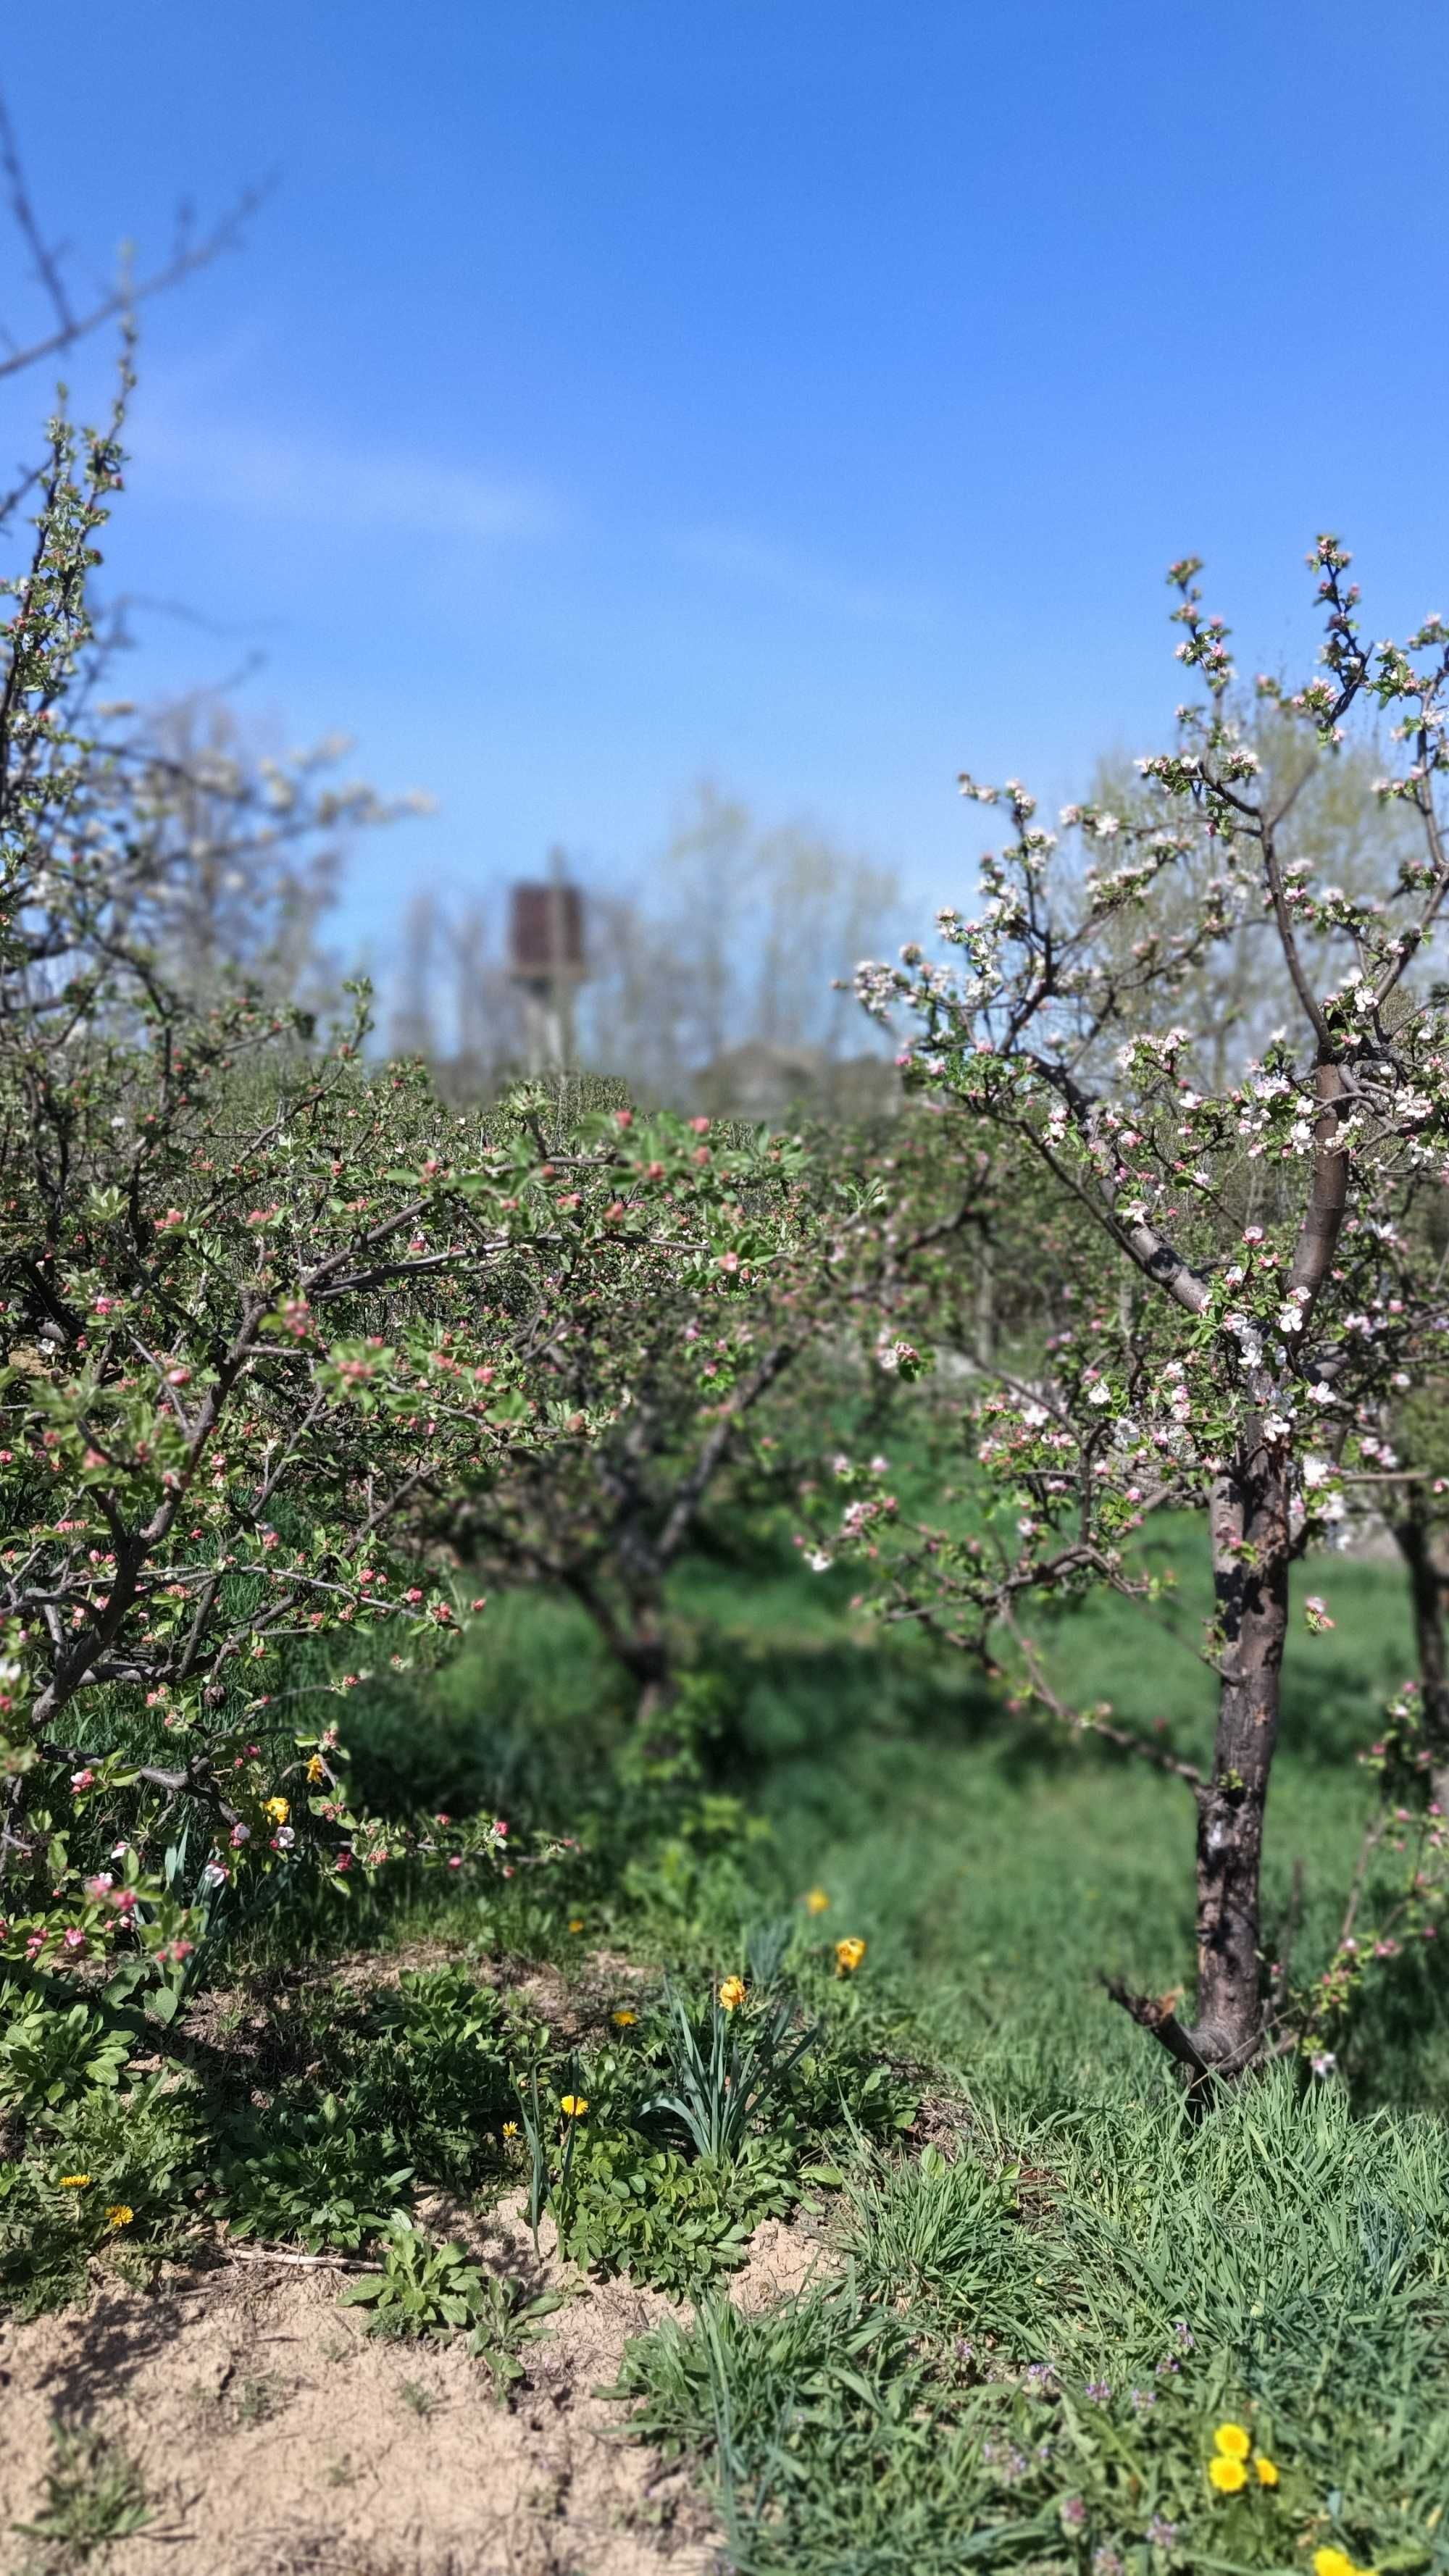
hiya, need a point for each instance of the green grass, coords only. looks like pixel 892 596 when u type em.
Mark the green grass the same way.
pixel 1051 2327
pixel 1078 2224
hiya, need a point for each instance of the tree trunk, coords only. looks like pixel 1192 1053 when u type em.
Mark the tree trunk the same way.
pixel 1426 1591
pixel 651 1665
pixel 1251 1554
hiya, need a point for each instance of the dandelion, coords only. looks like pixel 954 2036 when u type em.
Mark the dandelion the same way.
pixel 624 2018
pixel 1228 2476
pixel 817 1902
pixel 1234 2441
pixel 74 2182
pixel 1333 2562
pixel 510 2128
pixel 573 2106
pixel 576 1922
pixel 120 2214
pixel 279 1809
pixel 732 1993
pixel 1267 2471
pixel 848 1956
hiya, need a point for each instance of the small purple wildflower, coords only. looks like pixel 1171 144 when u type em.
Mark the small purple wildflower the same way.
pixel 1161 2532
pixel 1182 2335
pixel 1099 2391
pixel 1106 2562
pixel 1143 2400
pixel 1073 2513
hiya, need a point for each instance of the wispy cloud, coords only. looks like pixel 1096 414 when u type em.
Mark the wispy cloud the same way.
pixel 262 475
pixel 752 562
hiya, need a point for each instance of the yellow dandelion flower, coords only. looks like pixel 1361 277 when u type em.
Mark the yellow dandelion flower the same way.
pixel 1233 2440
pixel 120 2214
pixel 1333 2562
pixel 573 2106
pixel 1227 2475
pixel 624 2018
pixel 817 1902
pixel 732 1993
pixel 576 1922
pixel 1267 2470
pixel 74 2182
pixel 848 1956
pixel 279 1809
pixel 510 2128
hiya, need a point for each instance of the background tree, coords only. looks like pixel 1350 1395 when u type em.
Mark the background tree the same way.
pixel 738 932
pixel 704 1398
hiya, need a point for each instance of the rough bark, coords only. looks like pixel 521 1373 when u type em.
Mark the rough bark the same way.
pixel 1251 1555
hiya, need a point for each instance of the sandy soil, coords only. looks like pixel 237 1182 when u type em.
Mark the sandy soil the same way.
pixel 275 2435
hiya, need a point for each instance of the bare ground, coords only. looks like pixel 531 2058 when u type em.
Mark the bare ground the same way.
pixel 275 2436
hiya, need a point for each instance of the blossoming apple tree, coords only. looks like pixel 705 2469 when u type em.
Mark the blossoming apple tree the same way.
pixel 1241 1308
pixel 261 1311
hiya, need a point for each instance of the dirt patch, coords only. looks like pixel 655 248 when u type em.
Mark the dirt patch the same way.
pixel 783 2258
pixel 246 2026
pixel 945 2121
pixel 275 2436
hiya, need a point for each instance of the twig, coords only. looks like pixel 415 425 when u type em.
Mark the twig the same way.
pixel 299 2262
pixel 1082 1721
pixel 1155 2014
pixel 1373 1835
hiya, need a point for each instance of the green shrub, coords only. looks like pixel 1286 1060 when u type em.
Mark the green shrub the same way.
pixel 425 2288
pixel 112 2169
pixel 632 2206
pixel 431 2064
pixel 309 2175
pixel 50 2057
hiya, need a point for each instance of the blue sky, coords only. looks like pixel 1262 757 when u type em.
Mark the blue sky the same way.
pixel 807 396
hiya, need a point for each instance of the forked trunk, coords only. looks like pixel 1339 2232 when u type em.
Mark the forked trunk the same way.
pixel 1251 1555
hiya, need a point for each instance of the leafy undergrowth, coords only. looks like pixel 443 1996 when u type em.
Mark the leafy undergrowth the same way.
pixel 355 2098
pixel 1058 2325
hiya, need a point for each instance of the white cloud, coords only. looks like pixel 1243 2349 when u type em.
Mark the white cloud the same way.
pixel 261 475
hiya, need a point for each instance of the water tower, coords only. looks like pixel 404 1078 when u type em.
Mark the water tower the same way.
pixel 546 961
